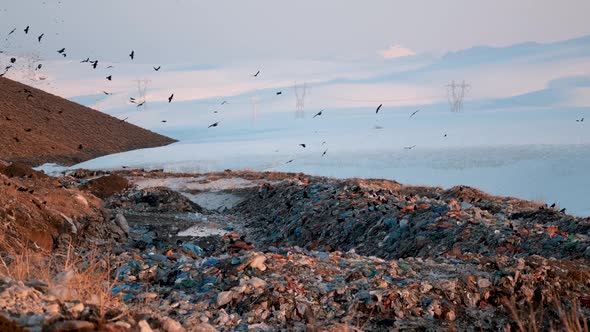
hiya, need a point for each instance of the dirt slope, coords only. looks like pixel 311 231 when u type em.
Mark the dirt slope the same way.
pixel 37 127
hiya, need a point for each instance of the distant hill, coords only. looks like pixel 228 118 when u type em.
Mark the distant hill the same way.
pixel 37 127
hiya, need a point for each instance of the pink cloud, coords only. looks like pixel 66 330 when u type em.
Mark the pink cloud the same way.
pixel 396 51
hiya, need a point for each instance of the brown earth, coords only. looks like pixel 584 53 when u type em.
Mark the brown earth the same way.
pixel 37 127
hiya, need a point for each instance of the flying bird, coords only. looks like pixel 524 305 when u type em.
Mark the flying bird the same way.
pixel 409 147
pixel 318 113
pixel 12 60
pixel 110 77
pixel 40 37
pixel 302 145
pixel 110 67
pixel 552 205
pixel 170 98
pixel 445 135
pixel 157 68
pixel 87 60
pixel 62 50
pixel 94 64
pixel 141 104
pixel 378 108
pixel 107 93
pixel 39 66
pixel 132 54
pixel 11 32
pixel 290 161
pixel 323 154
pixel 214 125
pixel 279 93
pixel 224 102
pixel 562 210
pixel 164 121
pixel 580 120
pixel 256 75
pixel 26 30
pixel 414 113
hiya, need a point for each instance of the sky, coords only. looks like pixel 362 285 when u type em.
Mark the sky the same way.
pixel 221 32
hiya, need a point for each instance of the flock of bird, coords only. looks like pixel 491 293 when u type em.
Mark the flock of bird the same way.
pixel 141 103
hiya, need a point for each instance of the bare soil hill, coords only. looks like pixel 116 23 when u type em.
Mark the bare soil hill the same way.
pixel 37 127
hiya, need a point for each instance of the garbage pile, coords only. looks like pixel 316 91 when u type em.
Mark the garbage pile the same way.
pixel 388 220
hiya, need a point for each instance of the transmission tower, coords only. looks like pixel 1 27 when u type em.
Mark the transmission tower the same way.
pixel 300 92
pixel 456 93
pixel 142 86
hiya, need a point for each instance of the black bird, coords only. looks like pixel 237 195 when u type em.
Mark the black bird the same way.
pixel 141 104
pixel 87 60
pixel 214 125
pixel 324 142
pixel 562 210
pixel 378 108
pixel 552 205
pixel 131 99
pixel 445 135
pixel 12 60
pixel 26 30
pixel 224 102
pixel 279 93
pixel 132 54
pixel 256 75
pixel 39 66
pixel 318 113
pixel 110 67
pixel 107 93
pixel 40 37
pixel 323 154
pixel 414 113
pixel 290 161
pixel 580 120
pixel 303 145
pixel 157 68
pixel 61 51
pixel 170 98
pixel 11 32
pixel 110 77
pixel 65 55
pixel 409 147
pixel 124 119
pixel 164 121
pixel 94 64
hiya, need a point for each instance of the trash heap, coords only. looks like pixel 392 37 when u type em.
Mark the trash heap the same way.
pixel 388 220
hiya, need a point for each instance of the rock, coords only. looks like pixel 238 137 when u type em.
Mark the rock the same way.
pixel 144 326
pixel 224 298
pixel 72 325
pixel 121 221
pixel 52 308
pixel 465 206
pixel 170 325
pixel 258 263
pixel 254 282
pixel 76 309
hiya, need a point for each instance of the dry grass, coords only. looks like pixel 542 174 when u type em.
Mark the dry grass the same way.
pixel 561 315
pixel 71 276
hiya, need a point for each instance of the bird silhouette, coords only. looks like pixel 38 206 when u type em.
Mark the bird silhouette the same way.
pixel 157 68
pixel 110 67
pixel 124 119
pixel 224 102
pixel 170 98
pixel 302 145
pixel 580 120
pixel 378 108
pixel 256 75
pixel 164 121
pixel 107 93
pixel 86 60
pixel 132 54
pixel 94 64
pixel 40 37
pixel 12 60
pixel 562 210
pixel 409 147
pixel 414 113
pixel 61 51
pixel 39 66
pixel 552 205
pixel 141 104
pixel 290 161
pixel 318 113
pixel 279 93
pixel 11 32
pixel 214 125
pixel 26 30
pixel 110 77
pixel 323 154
